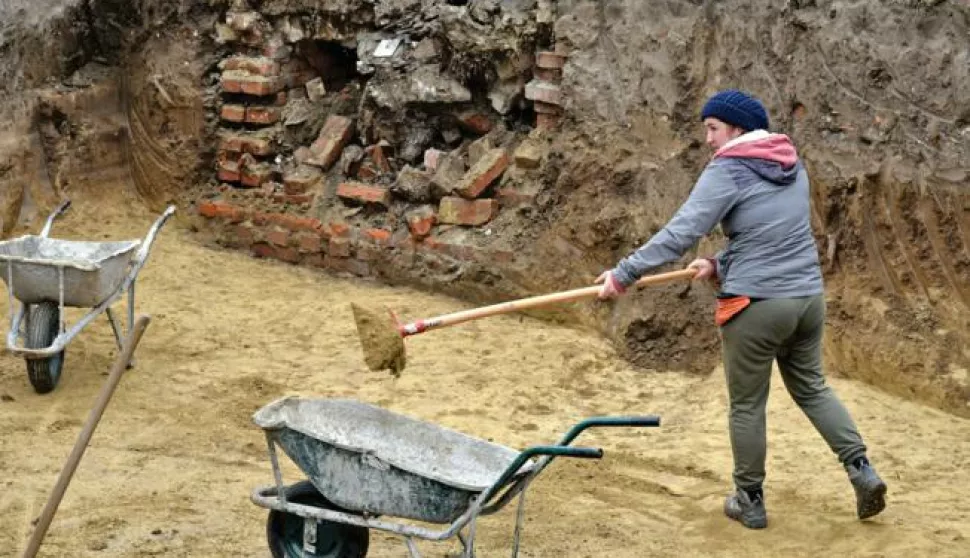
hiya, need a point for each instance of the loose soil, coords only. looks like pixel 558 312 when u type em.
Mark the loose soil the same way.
pixel 171 465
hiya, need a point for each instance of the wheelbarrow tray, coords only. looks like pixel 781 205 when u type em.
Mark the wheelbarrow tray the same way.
pixel 367 459
pixel 93 271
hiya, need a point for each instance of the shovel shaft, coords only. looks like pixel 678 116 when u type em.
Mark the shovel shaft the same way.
pixel 86 432
pixel 445 320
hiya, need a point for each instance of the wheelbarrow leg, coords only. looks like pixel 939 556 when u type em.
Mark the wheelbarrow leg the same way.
pixel 118 334
pixel 412 548
pixel 469 541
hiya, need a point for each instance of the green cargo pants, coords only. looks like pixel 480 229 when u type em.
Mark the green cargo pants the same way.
pixel 789 330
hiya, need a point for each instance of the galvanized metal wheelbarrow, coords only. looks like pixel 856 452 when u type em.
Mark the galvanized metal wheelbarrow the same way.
pixel 364 462
pixel 46 275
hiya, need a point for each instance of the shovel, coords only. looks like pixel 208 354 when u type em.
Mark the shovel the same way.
pixel 382 335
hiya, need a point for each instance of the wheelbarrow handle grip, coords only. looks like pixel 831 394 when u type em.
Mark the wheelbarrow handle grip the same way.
pixel 644 420
pixel 61 208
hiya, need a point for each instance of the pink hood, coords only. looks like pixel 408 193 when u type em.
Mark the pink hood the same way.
pixel 759 144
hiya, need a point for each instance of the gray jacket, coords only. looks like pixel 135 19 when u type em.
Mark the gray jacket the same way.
pixel 759 193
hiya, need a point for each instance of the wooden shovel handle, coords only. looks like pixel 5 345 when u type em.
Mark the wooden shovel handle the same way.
pixel 532 302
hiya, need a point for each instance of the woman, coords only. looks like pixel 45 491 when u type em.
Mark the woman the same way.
pixel 771 304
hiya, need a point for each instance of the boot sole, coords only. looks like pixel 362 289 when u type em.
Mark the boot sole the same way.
pixel 873 502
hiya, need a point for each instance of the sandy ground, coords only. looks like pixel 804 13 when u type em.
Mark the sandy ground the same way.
pixel 171 466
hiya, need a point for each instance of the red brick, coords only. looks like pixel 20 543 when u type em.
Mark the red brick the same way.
pixel 245 234
pixel 255 175
pixel 289 255
pixel 278 237
pixel 544 92
pixel 459 211
pixel 336 132
pixel 263 115
pixel 339 229
pixel 364 193
pixel 367 171
pixel 235 81
pixel 548 75
pixel 228 171
pixel 502 256
pixel 546 121
pixel 280 99
pixel 309 242
pixel 221 210
pixel 376 154
pixel 380 236
pixel 246 144
pixel 546 108
pixel 257 65
pixel 233 113
pixel 295 224
pixel 263 250
pixel 485 171
pixel 339 247
pixel 550 60
pixel 301 180
pixel 296 199
pixel 421 221
pixel 475 122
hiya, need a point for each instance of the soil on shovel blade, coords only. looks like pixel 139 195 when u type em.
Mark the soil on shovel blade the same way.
pixel 172 463
pixel 380 341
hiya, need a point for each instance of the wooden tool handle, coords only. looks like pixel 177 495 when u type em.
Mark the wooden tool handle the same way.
pixel 532 302
pixel 121 363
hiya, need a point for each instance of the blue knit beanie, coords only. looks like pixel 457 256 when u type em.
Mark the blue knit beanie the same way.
pixel 738 109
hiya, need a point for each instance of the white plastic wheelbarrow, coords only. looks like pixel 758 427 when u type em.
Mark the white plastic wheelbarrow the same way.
pixel 46 275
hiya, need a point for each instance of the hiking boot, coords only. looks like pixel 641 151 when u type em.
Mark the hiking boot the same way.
pixel 739 507
pixel 870 490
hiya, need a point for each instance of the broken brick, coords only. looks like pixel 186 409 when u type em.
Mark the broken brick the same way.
pixel 480 176
pixel 301 180
pixel 263 115
pixel 431 157
pixel 475 122
pixel 459 211
pixel 336 132
pixel 420 221
pixel 228 171
pixel 367 171
pixel 233 113
pixel 544 92
pixel 257 65
pixel 255 175
pixel 376 154
pixel 364 193
pixel 527 155
pixel 315 90
pixel 550 60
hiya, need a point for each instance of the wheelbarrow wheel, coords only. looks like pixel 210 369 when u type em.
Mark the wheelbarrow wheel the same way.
pixel 43 325
pixel 284 531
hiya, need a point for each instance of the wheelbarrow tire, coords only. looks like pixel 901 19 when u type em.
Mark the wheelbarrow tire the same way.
pixel 43 326
pixel 284 531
